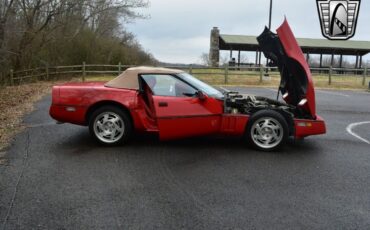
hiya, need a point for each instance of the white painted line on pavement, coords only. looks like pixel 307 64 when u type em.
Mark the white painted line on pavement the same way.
pixel 354 125
pixel 332 93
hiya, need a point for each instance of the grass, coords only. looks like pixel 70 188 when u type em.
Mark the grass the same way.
pixel 250 78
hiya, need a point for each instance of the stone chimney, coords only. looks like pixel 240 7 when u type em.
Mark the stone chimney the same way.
pixel 214 52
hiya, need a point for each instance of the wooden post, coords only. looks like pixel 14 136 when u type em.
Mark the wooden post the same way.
pixel 119 68
pixel 226 74
pixel 330 73
pixel 11 77
pixel 259 58
pixel 239 59
pixel 83 71
pixel 55 75
pixel 47 71
pixel 356 65
pixel 261 73
pixel 34 76
pixel 255 64
pixel 364 76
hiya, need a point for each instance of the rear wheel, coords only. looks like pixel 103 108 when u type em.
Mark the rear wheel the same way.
pixel 267 130
pixel 110 125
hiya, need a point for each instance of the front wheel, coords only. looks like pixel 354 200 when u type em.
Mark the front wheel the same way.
pixel 267 130
pixel 110 125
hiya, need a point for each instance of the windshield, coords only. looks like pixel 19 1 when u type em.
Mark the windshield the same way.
pixel 207 89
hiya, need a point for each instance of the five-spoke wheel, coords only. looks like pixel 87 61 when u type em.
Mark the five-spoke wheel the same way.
pixel 110 125
pixel 267 130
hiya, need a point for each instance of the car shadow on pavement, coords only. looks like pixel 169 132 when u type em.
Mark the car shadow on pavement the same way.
pixel 80 142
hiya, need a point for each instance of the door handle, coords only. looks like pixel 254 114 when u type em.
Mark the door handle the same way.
pixel 162 104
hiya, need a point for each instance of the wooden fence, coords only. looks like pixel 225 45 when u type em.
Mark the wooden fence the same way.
pixel 327 74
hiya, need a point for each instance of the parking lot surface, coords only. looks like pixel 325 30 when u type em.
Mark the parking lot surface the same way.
pixel 57 177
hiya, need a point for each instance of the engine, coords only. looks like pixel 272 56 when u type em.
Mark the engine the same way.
pixel 236 103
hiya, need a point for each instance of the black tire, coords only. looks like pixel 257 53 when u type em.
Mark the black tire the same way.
pixel 275 130
pixel 123 124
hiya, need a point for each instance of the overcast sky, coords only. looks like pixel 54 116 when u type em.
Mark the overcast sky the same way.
pixel 178 31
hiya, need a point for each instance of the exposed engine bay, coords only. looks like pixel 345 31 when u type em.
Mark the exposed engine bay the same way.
pixel 236 103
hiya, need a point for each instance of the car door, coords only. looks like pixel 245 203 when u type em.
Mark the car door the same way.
pixel 179 111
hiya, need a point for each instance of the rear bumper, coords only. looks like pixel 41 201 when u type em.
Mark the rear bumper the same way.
pixel 304 128
pixel 68 114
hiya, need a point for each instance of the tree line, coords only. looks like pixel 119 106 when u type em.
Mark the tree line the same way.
pixel 36 33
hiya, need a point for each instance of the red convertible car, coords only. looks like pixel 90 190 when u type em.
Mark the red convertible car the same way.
pixel 174 104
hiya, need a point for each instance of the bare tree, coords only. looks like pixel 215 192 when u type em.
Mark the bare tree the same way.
pixel 205 60
pixel 68 31
pixel 243 59
pixel 5 11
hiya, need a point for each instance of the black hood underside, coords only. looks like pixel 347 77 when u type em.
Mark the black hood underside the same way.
pixel 293 76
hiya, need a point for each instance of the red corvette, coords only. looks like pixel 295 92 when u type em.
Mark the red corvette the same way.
pixel 174 104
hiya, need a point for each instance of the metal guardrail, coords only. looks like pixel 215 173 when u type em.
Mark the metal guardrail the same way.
pixel 49 72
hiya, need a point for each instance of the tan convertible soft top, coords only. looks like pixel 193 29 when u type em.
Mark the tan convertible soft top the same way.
pixel 129 78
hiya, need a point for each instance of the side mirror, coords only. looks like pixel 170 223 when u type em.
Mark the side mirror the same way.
pixel 201 96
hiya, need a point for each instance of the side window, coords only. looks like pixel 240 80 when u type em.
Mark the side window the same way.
pixel 167 85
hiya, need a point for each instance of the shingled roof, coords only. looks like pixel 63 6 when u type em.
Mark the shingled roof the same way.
pixel 308 45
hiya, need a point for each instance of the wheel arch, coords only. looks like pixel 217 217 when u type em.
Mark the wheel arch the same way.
pixel 289 120
pixel 100 104
pixel 277 115
pixel 287 117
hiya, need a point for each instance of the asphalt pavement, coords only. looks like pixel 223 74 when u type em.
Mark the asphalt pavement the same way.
pixel 57 177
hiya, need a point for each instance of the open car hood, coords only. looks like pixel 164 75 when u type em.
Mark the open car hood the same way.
pixel 296 83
